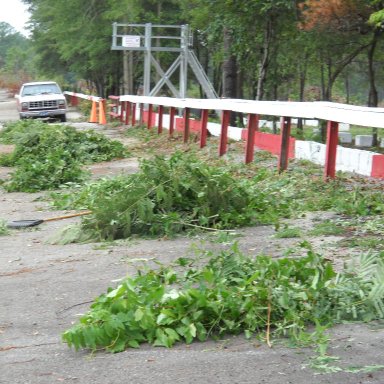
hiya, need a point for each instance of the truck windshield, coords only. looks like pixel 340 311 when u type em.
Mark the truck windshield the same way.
pixel 40 89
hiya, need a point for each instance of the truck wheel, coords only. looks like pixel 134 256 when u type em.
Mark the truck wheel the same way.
pixel 63 118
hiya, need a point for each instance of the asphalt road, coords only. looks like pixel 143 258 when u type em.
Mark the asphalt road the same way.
pixel 8 111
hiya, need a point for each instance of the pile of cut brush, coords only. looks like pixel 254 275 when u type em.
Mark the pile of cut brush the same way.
pixel 47 156
pixel 230 294
pixel 169 196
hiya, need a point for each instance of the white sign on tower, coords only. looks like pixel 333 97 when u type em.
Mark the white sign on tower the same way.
pixel 130 41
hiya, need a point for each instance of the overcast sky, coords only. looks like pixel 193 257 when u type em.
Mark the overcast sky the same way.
pixel 14 12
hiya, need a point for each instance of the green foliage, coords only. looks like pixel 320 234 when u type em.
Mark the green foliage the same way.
pixel 87 55
pixel 368 233
pixel 7 160
pixel 14 130
pixel 3 228
pixel 47 156
pixel 304 191
pixel 365 242
pixel 288 232
pixel 230 294
pixel 373 225
pixel 269 27
pixel 327 228
pixel 171 195
pixel 33 174
pixel 376 18
pixel 322 364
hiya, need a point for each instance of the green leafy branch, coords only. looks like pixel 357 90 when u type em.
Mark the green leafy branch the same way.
pixel 230 294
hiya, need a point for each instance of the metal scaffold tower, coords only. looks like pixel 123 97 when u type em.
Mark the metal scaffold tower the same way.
pixel 180 41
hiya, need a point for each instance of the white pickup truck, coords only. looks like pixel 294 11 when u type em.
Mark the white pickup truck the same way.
pixel 43 99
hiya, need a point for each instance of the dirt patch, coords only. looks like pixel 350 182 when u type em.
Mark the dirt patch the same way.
pixel 18 272
pixel 6 149
pixel 113 168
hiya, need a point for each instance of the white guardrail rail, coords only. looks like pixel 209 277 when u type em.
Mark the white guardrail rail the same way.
pixel 341 113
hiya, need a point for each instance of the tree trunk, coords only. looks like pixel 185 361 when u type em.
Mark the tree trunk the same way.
pixel 372 97
pixel 347 88
pixel 239 95
pixel 268 34
pixel 333 73
pixel 127 69
pixel 229 71
pixel 302 80
pixel 330 81
pixel 128 73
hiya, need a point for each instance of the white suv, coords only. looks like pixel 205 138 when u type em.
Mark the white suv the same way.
pixel 41 99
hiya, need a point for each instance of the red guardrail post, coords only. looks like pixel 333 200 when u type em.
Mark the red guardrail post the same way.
pixel 172 113
pixel 203 128
pixel 224 132
pixel 122 110
pixel 141 113
pixel 160 122
pixel 74 100
pixel 186 124
pixel 128 107
pixel 331 150
pixel 252 127
pixel 285 126
pixel 149 115
pixel 133 114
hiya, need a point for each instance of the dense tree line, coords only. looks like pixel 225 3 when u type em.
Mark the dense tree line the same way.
pixel 254 49
pixel 16 57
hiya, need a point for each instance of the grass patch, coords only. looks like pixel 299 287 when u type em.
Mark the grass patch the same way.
pixel 287 233
pixel 327 228
pixel 364 242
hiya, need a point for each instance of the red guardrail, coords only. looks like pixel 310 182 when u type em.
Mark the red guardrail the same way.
pixel 282 145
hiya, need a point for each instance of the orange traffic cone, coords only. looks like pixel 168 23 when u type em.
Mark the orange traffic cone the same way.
pixel 93 117
pixel 102 119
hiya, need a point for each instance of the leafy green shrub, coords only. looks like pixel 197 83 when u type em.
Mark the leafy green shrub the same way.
pixel 85 107
pixel 231 293
pixel 170 195
pixel 47 156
